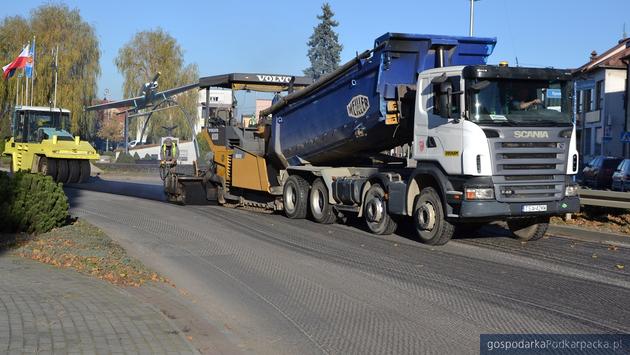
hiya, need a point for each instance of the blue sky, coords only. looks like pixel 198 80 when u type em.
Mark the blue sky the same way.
pixel 270 36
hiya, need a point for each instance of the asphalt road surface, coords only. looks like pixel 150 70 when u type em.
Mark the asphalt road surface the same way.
pixel 272 285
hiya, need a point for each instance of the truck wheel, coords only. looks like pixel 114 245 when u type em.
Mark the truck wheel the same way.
pixel 62 170
pixel 86 169
pixel 528 229
pixel 375 212
pixel 74 171
pixel 429 218
pixel 321 210
pixel 295 197
pixel 48 166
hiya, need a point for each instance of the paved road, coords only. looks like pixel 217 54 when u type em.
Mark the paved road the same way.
pixel 275 285
pixel 46 310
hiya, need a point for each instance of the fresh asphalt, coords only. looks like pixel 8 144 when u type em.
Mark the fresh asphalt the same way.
pixel 272 285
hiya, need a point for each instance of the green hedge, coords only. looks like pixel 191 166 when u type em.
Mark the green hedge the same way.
pixel 31 203
pixel 126 158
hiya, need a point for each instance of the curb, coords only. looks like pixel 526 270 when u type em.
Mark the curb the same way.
pixel 589 235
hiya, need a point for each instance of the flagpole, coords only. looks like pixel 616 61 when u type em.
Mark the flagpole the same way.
pixel 26 83
pixel 33 73
pixel 17 90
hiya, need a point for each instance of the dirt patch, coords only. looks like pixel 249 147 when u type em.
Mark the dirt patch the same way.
pixel 599 218
pixel 84 248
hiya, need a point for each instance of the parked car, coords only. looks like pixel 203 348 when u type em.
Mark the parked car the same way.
pixel 599 171
pixel 621 176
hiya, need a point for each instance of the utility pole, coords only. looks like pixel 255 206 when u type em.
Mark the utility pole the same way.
pixel 56 70
pixel 472 17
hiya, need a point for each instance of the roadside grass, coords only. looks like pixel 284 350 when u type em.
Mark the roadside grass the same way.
pixel 5 160
pixel 599 218
pixel 84 248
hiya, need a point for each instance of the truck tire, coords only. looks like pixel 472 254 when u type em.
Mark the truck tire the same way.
pixel 429 218
pixel 375 212
pixel 74 171
pixel 62 170
pixel 295 197
pixel 47 166
pixel 528 229
pixel 321 210
pixel 86 169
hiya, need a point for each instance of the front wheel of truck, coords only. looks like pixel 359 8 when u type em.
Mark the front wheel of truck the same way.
pixel 429 218
pixel 528 229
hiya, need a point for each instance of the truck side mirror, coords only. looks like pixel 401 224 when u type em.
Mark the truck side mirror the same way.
pixel 446 92
pixel 480 85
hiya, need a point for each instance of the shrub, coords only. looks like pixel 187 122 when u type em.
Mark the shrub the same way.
pixel 31 203
pixel 125 158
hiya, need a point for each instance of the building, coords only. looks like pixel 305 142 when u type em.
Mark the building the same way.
pixel 600 103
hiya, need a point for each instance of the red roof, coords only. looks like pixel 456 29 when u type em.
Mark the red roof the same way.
pixel 612 58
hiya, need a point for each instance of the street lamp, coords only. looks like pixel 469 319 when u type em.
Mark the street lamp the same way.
pixel 472 16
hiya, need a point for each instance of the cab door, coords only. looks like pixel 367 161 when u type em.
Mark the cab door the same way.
pixel 438 128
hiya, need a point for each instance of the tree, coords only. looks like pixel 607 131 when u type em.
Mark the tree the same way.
pixel 324 48
pixel 54 25
pixel 147 53
pixel 14 33
pixel 111 126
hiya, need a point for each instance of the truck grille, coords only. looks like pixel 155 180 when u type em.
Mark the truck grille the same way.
pixel 528 171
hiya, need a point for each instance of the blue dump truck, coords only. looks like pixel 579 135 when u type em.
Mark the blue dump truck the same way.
pixel 419 126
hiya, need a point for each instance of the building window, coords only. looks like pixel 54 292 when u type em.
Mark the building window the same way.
pixel 578 102
pixel 588 100
pixel 599 95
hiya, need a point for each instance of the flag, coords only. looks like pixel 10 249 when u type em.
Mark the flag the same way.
pixel 19 62
pixel 28 69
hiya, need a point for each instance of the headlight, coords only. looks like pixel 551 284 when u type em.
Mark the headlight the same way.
pixel 571 190
pixel 480 193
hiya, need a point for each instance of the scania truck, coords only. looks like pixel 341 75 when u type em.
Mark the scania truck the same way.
pixel 479 143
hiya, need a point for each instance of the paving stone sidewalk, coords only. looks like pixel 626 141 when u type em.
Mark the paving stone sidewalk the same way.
pixel 47 310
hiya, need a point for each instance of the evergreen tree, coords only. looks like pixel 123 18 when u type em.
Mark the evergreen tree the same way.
pixel 324 48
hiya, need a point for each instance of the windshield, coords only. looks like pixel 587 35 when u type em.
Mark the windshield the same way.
pixel 520 103
pixel 46 124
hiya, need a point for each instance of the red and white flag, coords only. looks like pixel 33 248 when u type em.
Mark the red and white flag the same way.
pixel 19 62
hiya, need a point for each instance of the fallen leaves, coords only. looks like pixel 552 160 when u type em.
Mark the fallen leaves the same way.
pixel 620 266
pixel 88 250
pixel 599 218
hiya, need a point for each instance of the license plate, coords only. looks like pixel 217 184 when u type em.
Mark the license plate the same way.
pixel 535 208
